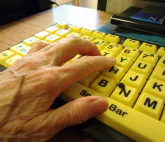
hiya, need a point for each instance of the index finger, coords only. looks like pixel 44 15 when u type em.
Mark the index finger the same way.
pixel 70 47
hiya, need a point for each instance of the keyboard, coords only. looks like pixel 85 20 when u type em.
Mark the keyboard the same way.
pixel 134 86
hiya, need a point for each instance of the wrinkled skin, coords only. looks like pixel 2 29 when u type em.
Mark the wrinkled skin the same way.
pixel 31 85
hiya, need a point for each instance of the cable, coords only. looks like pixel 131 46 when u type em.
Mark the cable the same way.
pixel 53 2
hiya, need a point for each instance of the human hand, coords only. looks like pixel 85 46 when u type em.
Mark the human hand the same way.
pixel 31 85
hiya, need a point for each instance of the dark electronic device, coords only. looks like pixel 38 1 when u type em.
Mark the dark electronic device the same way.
pixel 11 10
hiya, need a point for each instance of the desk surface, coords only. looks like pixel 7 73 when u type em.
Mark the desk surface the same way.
pixel 17 31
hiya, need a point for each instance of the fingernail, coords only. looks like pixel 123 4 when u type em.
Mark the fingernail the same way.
pixel 99 106
pixel 113 60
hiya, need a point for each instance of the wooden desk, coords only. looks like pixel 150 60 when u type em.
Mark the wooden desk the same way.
pixel 17 31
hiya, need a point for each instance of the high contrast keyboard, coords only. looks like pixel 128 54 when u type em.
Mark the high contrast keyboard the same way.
pixel 134 86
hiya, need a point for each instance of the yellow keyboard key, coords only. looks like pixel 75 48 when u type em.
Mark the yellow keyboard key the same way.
pixel 135 80
pixel 159 73
pixel 148 47
pixel 62 32
pixel 131 43
pixel 142 67
pixel 87 38
pixel 52 29
pixel 125 94
pixel 107 53
pixel 121 117
pixel 98 35
pixel 149 105
pixel 161 51
pixel 130 52
pixel 100 44
pixel 161 62
pixel 124 62
pixel 155 87
pixel 163 116
pixel 73 34
pixel 75 29
pixel 4 56
pixel 9 62
pixel 148 57
pixel 20 49
pixel 52 38
pixel 88 81
pixel 116 73
pixel 112 38
pixel 113 47
pixel 86 32
pixel 42 35
pixel 62 25
pixel 103 85
pixel 30 41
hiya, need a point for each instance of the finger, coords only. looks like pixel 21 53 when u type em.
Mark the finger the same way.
pixel 82 68
pixel 38 46
pixel 75 112
pixel 69 48
pixel 56 79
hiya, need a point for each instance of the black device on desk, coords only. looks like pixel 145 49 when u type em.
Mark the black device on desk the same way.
pixel 11 10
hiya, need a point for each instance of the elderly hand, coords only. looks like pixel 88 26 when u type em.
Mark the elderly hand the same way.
pixel 31 85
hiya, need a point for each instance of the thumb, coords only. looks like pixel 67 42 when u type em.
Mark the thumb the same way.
pixel 77 111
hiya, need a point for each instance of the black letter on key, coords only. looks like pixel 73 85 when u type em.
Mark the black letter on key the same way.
pixel 163 73
pixel 134 78
pixel 122 59
pixel 112 69
pixel 144 66
pixel 103 82
pixel 158 86
pixel 123 90
pixel 149 104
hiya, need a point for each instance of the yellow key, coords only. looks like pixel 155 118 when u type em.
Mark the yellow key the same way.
pixel 116 73
pixel 4 56
pixel 148 47
pixel 161 62
pixel 112 38
pixel 125 94
pixel 161 51
pixel 30 41
pixel 159 73
pixel 75 29
pixel 107 54
pixel 148 57
pixel 86 32
pixel 113 47
pixel 135 80
pixel 149 105
pixel 62 25
pixel 130 52
pixel 73 34
pixel 52 29
pixel 163 116
pixel 103 85
pixel 122 117
pixel 20 49
pixel 42 35
pixel 142 67
pixel 98 35
pixel 131 43
pixel 100 43
pixel 155 87
pixel 88 81
pixel 87 38
pixel 62 32
pixel 52 38
pixel 124 62
pixel 11 60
